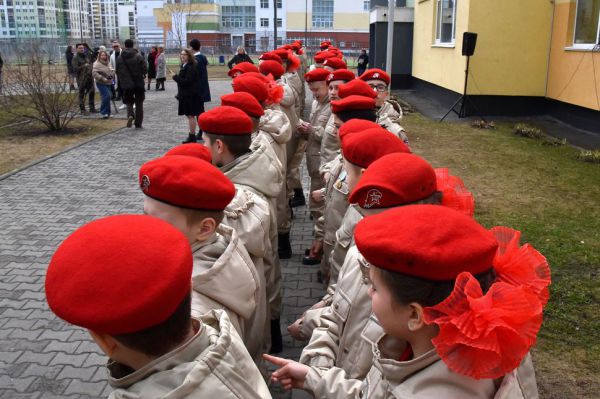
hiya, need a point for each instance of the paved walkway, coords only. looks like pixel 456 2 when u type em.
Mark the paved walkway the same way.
pixel 40 355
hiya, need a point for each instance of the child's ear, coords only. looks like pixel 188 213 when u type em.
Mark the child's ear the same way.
pixel 204 229
pixel 416 319
pixel 107 343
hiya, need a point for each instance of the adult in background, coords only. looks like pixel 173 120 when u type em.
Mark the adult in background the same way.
pixel 240 56
pixel 131 71
pixel 152 65
pixel 82 66
pixel 114 56
pixel 160 64
pixel 363 62
pixel 70 71
pixel 203 87
pixel 103 76
pixel 187 92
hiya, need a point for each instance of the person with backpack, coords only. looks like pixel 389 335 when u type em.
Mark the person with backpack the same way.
pixel 131 72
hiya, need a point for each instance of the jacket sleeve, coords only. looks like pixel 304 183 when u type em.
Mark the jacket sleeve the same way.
pixel 289 98
pixel 332 384
pixel 143 65
pixel 188 76
pixel 231 61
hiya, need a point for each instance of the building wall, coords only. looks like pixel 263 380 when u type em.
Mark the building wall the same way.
pixel 148 29
pixel 571 72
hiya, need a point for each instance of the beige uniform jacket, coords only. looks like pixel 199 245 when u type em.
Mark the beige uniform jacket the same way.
pixel 294 80
pixel 336 340
pixel 260 172
pixel 330 143
pixel 389 118
pixel 213 364
pixel 426 377
pixel 275 126
pixel 344 237
pixel 248 215
pixel 288 102
pixel 222 266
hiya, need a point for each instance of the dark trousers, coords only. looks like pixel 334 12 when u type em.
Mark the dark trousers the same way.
pixel 89 91
pixel 131 97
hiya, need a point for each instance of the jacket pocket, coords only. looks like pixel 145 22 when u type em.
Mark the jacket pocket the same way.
pixel 341 305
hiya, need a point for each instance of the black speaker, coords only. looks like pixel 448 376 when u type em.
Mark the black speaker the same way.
pixel 468 44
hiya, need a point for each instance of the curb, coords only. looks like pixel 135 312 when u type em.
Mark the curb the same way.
pixel 64 150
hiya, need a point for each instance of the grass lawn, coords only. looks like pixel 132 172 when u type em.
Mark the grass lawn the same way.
pixel 25 143
pixel 554 199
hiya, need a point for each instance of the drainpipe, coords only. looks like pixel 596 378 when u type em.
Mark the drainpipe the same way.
pixel 390 36
pixel 549 49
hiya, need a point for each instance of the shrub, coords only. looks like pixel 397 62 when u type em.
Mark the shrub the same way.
pixel 525 130
pixel 481 124
pixel 589 156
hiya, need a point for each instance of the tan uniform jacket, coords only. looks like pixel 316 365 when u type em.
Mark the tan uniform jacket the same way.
pixel 336 340
pixel 276 127
pixel 319 116
pixel 248 215
pixel 296 83
pixel 330 143
pixel 426 377
pixel 214 364
pixel 389 118
pixel 288 102
pixel 222 266
pixel 343 239
pixel 260 172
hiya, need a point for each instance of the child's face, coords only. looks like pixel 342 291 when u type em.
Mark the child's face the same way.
pixel 319 90
pixel 170 214
pixel 393 317
pixel 381 89
pixel 353 173
pixel 333 89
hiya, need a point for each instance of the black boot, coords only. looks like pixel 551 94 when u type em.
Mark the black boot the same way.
pixel 199 138
pixel 298 199
pixel 309 260
pixel 191 138
pixel 276 340
pixel 284 246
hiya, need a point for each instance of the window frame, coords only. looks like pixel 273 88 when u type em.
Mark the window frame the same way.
pixel 584 46
pixel 264 20
pixel 263 2
pixel 438 24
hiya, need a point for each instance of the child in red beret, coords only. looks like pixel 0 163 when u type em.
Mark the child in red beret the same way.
pixel 459 308
pixel 126 279
pixel 192 195
pixel 228 136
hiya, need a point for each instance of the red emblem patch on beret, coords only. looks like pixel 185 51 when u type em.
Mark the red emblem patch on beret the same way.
pixel 341 74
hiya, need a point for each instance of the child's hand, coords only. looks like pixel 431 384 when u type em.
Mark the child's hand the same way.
pixel 294 330
pixel 290 374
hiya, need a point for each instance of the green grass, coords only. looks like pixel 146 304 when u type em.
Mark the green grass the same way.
pixel 554 199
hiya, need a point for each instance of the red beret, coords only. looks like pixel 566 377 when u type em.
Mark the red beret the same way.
pixel 244 101
pixel 394 180
pixel 271 67
pixel 364 148
pixel 325 44
pixel 242 67
pixel 226 121
pixel 191 150
pixel 335 63
pixel 316 75
pixel 270 56
pixel 120 274
pixel 356 87
pixel 296 45
pixel 426 241
pixel 253 85
pixel 341 74
pixel 352 103
pixel 186 182
pixel 355 126
pixel 376 73
pixel 319 58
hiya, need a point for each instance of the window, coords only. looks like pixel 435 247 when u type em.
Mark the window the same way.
pixel 446 21
pixel 366 5
pixel 587 23
pixel 322 14
pixel 264 22
pixel 264 3
pixel 279 23
pixel 279 3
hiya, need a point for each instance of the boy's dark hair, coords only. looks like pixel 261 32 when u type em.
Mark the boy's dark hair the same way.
pixel 195 44
pixel 128 43
pixel 407 289
pixel 366 114
pixel 164 337
pixel 237 145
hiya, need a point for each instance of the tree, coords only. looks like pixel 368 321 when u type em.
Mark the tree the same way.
pixel 179 10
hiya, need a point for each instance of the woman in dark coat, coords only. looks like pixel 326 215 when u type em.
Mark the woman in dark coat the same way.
pixel 241 56
pixel 188 94
pixel 152 65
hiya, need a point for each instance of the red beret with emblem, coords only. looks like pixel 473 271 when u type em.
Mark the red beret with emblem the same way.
pixel 226 121
pixel 352 103
pixel 341 74
pixel 364 148
pixel 271 67
pixel 186 182
pixel 426 241
pixel 394 180
pixel 375 73
pixel 317 75
pixel 270 56
pixel 191 150
pixel 251 84
pixel 120 274
pixel 242 67
pixel 356 87
pixel 244 101
pixel 335 63
pixel 356 126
